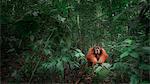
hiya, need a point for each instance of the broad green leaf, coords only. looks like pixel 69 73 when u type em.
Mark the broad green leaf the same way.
pixel 102 72
pixel 145 67
pixel 134 54
pixel 82 55
pixel 120 66
pixel 79 54
pixel 64 50
pixel 134 79
pixel 49 65
pixel 78 50
pixel 65 59
pixel 124 54
pixel 97 70
pixel 129 41
pixel 107 65
pixel 146 50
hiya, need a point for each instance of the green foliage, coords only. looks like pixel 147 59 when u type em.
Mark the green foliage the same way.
pixel 102 71
pixel 134 79
pixel 130 63
pixel 44 40
pixel 79 54
pixel 144 67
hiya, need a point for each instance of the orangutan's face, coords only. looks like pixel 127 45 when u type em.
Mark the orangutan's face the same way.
pixel 97 50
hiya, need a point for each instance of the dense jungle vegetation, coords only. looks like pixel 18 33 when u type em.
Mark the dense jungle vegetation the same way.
pixel 46 41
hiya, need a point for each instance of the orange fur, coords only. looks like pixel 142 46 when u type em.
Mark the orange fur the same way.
pixel 91 57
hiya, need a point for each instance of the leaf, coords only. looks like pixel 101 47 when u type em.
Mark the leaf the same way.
pixel 49 65
pixel 128 41
pixel 117 16
pixel 107 65
pixel 119 66
pixel 45 65
pixel 145 82
pixel 82 55
pixel 145 67
pixel 79 54
pixel 35 13
pixel 98 69
pixel 124 54
pixel 10 50
pixel 134 79
pixel 35 47
pixel 47 51
pixel 40 42
pixel 64 50
pixel 65 59
pixel 14 74
pixel 32 38
pixel 74 65
pixel 146 50
pixel 116 65
pixel 134 55
pixel 60 67
pixel 78 50
pixel 68 42
pixel 102 72
pixel 61 18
